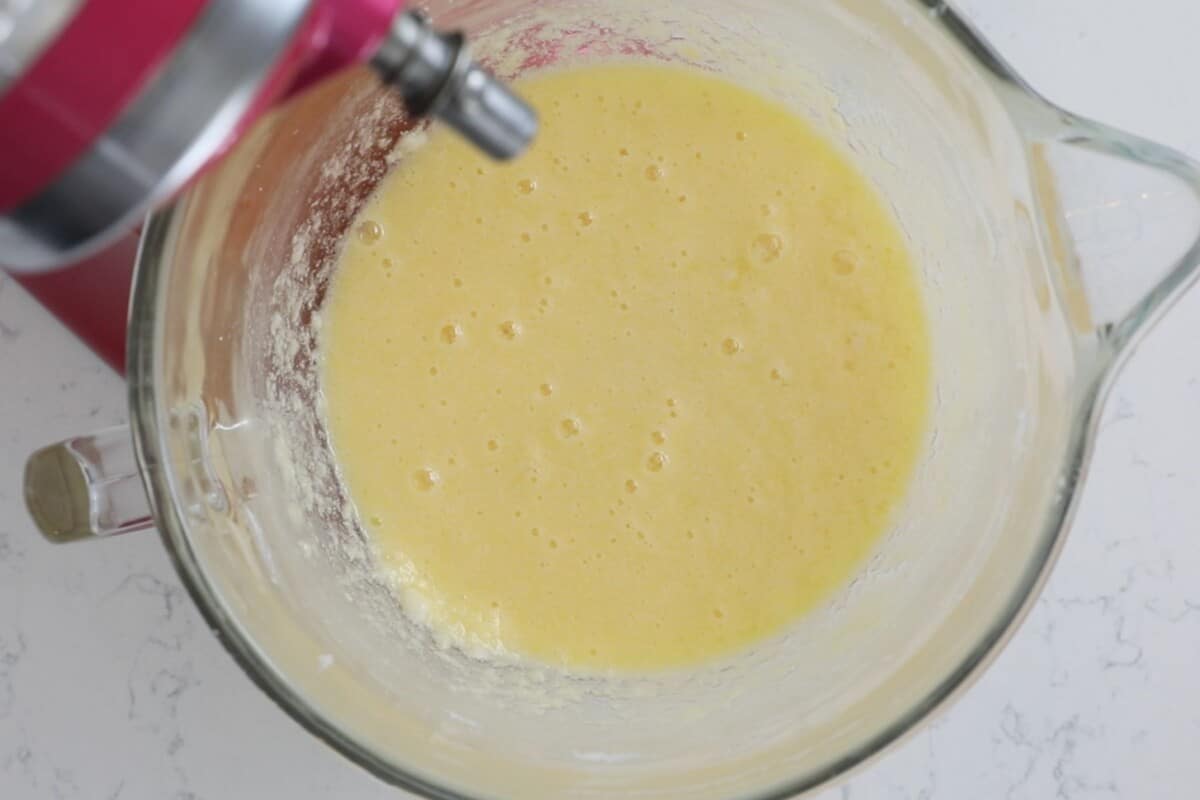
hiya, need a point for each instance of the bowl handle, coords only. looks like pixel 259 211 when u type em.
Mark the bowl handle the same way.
pixel 1122 223
pixel 87 486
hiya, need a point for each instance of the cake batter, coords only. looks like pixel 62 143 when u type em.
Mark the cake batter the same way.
pixel 640 398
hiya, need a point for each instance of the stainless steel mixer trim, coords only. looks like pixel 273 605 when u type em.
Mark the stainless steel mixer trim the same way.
pixel 27 27
pixel 177 123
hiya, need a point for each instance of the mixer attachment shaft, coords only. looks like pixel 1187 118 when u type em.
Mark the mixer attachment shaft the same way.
pixel 437 77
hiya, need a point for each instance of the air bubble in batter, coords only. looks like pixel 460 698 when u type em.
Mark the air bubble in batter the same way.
pixel 451 333
pixel 657 461
pixel 766 247
pixel 426 479
pixel 369 231
pixel 845 263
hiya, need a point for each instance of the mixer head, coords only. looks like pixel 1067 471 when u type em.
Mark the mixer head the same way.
pixel 86 152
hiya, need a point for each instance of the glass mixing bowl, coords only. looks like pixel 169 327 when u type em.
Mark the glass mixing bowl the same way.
pixel 1046 243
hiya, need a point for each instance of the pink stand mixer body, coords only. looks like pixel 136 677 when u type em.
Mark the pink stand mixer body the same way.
pixel 109 107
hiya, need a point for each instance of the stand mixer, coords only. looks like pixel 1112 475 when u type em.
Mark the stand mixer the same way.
pixel 1036 283
pixel 109 107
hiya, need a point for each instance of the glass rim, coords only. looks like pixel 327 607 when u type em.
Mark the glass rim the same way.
pixel 148 425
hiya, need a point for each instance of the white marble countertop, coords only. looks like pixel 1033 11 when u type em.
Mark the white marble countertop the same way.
pixel 112 687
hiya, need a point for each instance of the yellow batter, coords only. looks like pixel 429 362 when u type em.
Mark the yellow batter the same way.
pixel 643 396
